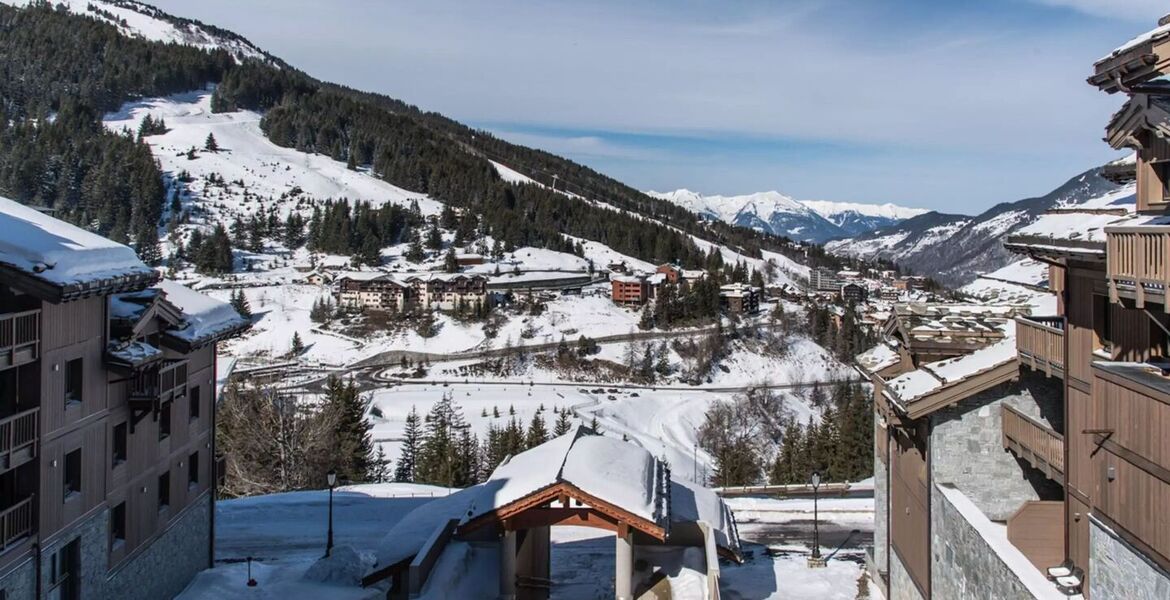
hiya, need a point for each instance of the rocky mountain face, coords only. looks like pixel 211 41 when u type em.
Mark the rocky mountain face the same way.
pixel 781 215
pixel 954 249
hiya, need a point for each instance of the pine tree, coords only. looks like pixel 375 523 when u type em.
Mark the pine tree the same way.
pixel 415 252
pixel 404 471
pixel 450 262
pixel 297 346
pixel 240 302
pixel 381 470
pixel 209 144
pixel 352 445
pixel 537 433
pixel 563 424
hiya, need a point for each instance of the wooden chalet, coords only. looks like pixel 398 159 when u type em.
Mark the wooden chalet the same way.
pixel 579 479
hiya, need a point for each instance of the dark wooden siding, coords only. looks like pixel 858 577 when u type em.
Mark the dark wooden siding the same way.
pixel 909 508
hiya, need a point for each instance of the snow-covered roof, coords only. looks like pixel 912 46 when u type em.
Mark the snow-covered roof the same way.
pixel 1158 33
pixel 205 318
pixel 881 356
pixel 975 325
pixel 133 353
pixel 618 473
pixel 68 258
pixel 628 278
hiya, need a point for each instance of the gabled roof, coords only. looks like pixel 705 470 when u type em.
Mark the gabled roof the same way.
pixel 1141 113
pixel 1134 62
pixel 57 262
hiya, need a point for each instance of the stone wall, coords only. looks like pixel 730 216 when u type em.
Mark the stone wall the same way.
pixel 93 547
pixel 1117 570
pixel 880 506
pixel 901 585
pixel 963 566
pixel 172 560
pixel 20 582
pixel 966 446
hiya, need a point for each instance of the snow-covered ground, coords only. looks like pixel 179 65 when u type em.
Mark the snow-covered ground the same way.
pixel 285 535
pixel 663 421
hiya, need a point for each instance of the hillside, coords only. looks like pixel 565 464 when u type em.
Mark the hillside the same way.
pixel 955 249
pixel 783 216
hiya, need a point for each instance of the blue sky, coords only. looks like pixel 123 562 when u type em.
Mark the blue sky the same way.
pixel 953 106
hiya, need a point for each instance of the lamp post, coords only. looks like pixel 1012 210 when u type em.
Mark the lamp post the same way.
pixel 815 561
pixel 331 477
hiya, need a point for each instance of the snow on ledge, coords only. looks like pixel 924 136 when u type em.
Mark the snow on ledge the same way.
pixel 995 535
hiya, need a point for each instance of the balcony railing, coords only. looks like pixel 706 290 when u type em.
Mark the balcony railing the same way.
pixel 18 438
pixel 16 523
pixel 163 384
pixel 1034 442
pixel 20 338
pixel 1138 262
pixel 1040 344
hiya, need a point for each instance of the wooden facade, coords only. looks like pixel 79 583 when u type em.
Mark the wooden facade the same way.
pixel 909 507
pixel 72 444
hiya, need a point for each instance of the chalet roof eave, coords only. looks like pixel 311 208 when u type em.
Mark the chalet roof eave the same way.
pixel 37 287
pixel 173 341
pixel 956 391
pixel 1047 249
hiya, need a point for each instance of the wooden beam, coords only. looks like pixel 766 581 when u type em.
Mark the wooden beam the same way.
pixel 549 517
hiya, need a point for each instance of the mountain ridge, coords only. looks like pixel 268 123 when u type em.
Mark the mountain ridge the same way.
pixel 781 215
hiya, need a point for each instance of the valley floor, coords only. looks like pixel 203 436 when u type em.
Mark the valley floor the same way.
pixel 285 535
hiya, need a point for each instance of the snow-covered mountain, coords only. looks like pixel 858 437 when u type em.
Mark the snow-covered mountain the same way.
pixel 855 218
pixel 955 249
pixel 135 19
pixel 778 214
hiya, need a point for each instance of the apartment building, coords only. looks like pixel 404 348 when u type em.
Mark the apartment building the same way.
pixel 1027 456
pixel 107 397
pixel 381 291
pixel 739 298
pixel 629 290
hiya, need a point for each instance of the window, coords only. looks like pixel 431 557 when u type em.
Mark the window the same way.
pixel 63 577
pixel 193 470
pixel 164 421
pixel 118 524
pixel 72 480
pixel 73 381
pixel 164 490
pixel 1162 172
pixel 119 449
pixel 193 403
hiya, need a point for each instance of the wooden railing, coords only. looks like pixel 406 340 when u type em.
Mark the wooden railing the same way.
pixel 1138 258
pixel 16 522
pixel 1034 442
pixel 1040 344
pixel 18 433
pixel 164 384
pixel 20 337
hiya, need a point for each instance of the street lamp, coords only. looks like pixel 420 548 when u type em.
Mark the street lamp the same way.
pixel 815 561
pixel 331 477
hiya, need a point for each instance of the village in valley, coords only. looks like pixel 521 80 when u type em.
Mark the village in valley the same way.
pixel 267 336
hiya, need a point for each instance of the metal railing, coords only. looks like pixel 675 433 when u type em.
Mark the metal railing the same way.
pixel 1137 257
pixel 16 522
pixel 1040 343
pixel 1034 442
pixel 17 433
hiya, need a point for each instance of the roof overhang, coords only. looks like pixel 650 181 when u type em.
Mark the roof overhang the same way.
pixel 957 391
pixel 1140 114
pixel 1046 249
pixel 54 293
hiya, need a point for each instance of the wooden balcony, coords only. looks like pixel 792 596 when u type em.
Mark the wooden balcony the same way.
pixel 1034 442
pixel 16 523
pixel 1137 264
pixel 20 338
pixel 156 386
pixel 1040 344
pixel 19 435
